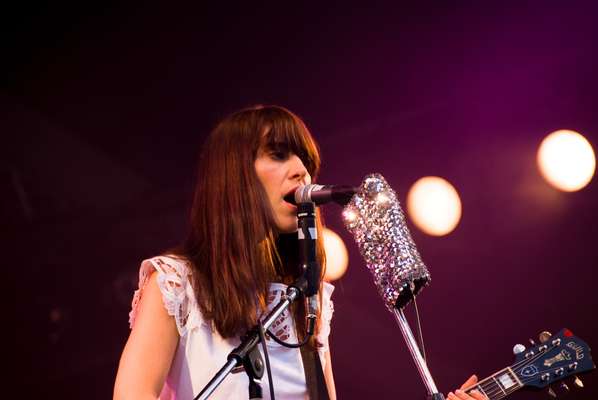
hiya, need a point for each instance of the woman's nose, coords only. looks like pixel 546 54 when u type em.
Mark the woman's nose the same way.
pixel 298 170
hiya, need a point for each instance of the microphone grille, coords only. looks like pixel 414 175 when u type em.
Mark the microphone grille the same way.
pixel 375 219
pixel 303 193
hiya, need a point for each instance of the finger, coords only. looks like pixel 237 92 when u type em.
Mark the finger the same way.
pixel 451 396
pixel 477 395
pixel 469 382
pixel 462 395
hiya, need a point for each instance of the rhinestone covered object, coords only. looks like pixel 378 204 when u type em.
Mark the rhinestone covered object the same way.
pixel 377 223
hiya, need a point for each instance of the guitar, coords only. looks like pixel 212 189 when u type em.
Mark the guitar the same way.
pixel 558 357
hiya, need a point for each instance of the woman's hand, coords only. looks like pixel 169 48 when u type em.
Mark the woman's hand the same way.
pixel 461 395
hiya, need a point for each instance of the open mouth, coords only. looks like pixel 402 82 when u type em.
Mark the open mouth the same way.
pixel 290 196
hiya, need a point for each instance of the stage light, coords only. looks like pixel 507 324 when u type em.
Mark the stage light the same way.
pixel 434 206
pixel 566 160
pixel 337 258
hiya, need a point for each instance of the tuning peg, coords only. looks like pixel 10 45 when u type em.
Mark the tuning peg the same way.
pixel 518 348
pixel 531 341
pixel 544 336
pixel 564 386
pixel 551 392
pixel 578 382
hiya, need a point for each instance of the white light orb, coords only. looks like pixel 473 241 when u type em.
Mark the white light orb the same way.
pixel 434 206
pixel 382 199
pixel 349 216
pixel 337 257
pixel 566 160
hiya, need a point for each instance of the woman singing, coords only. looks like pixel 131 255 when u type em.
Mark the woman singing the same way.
pixel 196 301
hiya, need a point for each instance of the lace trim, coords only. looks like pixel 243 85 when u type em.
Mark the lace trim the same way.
pixel 283 327
pixel 177 292
pixel 326 318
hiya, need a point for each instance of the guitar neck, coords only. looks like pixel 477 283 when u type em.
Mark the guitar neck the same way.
pixel 498 385
pixel 561 356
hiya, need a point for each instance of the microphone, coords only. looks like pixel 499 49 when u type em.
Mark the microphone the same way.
pixel 321 194
pixel 307 235
pixel 376 220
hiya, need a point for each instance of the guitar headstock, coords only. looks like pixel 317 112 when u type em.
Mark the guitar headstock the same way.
pixel 558 357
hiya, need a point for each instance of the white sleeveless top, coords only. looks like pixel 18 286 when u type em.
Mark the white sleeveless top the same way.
pixel 201 351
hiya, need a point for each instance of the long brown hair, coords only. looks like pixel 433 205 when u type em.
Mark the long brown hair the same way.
pixel 232 243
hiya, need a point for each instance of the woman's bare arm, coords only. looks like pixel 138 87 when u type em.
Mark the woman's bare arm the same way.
pixel 150 349
pixel 328 377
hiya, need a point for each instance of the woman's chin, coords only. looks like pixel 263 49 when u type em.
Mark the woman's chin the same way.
pixel 287 228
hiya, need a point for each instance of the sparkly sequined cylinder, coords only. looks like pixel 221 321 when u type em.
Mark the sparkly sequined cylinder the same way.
pixel 375 219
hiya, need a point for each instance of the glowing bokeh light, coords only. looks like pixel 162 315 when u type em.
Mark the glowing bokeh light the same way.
pixel 349 216
pixel 337 258
pixel 566 160
pixel 434 206
pixel 382 198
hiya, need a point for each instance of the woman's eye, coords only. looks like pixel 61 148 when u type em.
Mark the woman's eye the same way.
pixel 279 155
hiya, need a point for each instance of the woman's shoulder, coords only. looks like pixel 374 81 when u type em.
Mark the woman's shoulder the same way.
pixel 174 281
pixel 167 264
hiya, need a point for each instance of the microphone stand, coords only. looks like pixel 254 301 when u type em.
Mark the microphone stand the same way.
pixel 420 363
pixel 247 352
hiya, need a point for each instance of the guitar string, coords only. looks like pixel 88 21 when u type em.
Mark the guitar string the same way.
pixel 526 361
pixel 554 369
pixel 516 367
pixel 491 387
pixel 499 392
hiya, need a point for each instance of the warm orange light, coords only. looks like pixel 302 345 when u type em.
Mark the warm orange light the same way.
pixel 566 160
pixel 434 206
pixel 337 258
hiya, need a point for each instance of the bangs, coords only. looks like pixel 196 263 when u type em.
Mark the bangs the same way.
pixel 287 133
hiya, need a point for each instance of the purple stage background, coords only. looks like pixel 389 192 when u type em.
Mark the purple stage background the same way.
pixel 104 110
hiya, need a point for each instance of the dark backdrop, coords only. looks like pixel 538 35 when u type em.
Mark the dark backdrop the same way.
pixel 104 107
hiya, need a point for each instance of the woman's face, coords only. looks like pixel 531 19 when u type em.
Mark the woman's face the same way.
pixel 281 173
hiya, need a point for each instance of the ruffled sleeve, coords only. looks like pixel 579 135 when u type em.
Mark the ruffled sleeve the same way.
pixel 177 293
pixel 326 318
